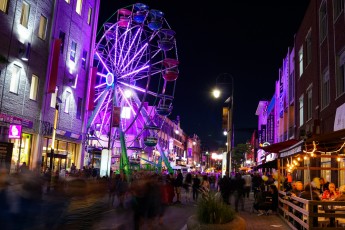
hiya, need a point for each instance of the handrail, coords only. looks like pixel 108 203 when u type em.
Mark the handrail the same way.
pixel 310 214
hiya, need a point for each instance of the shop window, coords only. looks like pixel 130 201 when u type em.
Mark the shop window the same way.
pixel 54 98
pixel 42 29
pixel 15 78
pixel 33 87
pixel 62 38
pixel 89 16
pixel 67 102
pixel 24 17
pixel 83 60
pixel 79 6
pixel 73 51
pixel 3 5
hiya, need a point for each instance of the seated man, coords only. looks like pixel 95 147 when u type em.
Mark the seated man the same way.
pixel 262 201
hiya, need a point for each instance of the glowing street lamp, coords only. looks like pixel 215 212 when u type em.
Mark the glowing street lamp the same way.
pixel 223 79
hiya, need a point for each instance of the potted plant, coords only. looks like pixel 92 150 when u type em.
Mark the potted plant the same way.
pixel 213 213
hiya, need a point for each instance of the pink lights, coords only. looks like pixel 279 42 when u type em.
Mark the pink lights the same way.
pixel 15 132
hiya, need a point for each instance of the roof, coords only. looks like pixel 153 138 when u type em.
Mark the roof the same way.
pixel 276 147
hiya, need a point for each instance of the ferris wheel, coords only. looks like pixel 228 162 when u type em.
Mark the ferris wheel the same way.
pixel 137 68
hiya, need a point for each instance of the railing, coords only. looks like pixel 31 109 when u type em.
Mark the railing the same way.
pixel 299 213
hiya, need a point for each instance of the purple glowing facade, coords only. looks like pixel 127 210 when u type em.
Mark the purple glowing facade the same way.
pixel 131 75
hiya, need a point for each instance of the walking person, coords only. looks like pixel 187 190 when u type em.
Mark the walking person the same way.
pixel 196 187
pixel 247 184
pixel 178 185
pixel 239 191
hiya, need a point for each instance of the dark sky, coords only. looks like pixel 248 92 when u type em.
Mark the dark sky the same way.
pixel 247 39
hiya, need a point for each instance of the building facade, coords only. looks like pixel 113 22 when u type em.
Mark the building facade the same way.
pixel 47 51
pixel 311 112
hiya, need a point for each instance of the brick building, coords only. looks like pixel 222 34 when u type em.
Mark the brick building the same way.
pixel 35 77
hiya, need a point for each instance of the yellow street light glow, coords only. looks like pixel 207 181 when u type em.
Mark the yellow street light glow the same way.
pixel 216 93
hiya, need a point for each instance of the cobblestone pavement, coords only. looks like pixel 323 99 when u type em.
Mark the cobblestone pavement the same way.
pixel 176 216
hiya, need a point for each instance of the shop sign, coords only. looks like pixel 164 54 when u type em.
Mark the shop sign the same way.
pixel 16 120
pixel 15 131
pixel 291 152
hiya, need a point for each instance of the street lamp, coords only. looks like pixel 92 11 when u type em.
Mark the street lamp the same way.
pixel 221 80
pixel 58 101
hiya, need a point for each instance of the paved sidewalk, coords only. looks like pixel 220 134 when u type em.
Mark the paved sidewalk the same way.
pixel 255 222
pixel 176 216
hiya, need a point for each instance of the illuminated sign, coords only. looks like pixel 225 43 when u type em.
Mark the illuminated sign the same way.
pixel 15 131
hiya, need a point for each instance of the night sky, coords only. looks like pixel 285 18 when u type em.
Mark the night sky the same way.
pixel 247 39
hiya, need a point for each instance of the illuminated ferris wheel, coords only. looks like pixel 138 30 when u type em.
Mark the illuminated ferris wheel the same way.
pixel 137 68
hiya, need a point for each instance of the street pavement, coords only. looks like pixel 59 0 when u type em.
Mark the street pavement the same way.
pixel 176 216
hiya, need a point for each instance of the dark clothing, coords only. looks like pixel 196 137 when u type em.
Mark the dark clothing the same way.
pixel 196 186
pixel 179 180
pixel 306 195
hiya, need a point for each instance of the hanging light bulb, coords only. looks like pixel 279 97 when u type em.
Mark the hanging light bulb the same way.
pixel 338 159
pixel 305 158
pixel 299 159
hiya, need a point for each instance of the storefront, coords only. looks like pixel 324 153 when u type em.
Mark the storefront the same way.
pixel 21 151
pixel 64 154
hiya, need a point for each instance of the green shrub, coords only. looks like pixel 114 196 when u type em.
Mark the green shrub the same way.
pixel 212 210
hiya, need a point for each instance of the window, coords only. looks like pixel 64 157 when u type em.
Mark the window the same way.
pixel 79 107
pixel 325 89
pixel 3 5
pixel 309 103
pixel 73 51
pixel 24 17
pixel 68 1
pixel 62 37
pixel 15 78
pixel 301 120
pixel 79 6
pixel 83 60
pixel 300 59
pixel 34 87
pixel 54 98
pixel 67 102
pixel 308 48
pixel 292 87
pixel 42 28
pixel 89 15
pixel 340 74
pixel 338 7
pixel 323 21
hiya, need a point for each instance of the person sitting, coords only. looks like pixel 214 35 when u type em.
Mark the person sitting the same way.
pixel 331 193
pixel 323 185
pixel 309 193
pixel 341 196
pixel 297 189
pixel 260 203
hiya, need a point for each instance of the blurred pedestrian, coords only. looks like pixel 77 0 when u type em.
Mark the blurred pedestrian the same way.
pixel 196 187
pixel 178 184
pixel 239 191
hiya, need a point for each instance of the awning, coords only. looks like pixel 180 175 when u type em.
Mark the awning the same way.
pixel 276 147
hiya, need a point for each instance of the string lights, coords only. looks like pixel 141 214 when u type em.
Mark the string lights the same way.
pixel 292 164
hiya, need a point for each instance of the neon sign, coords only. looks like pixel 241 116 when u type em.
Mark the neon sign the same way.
pixel 15 131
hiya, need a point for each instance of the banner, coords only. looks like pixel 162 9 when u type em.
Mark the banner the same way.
pixel 54 66
pixel 91 103
pixel 116 116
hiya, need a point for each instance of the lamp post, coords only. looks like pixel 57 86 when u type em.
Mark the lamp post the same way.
pixel 223 79
pixel 51 165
